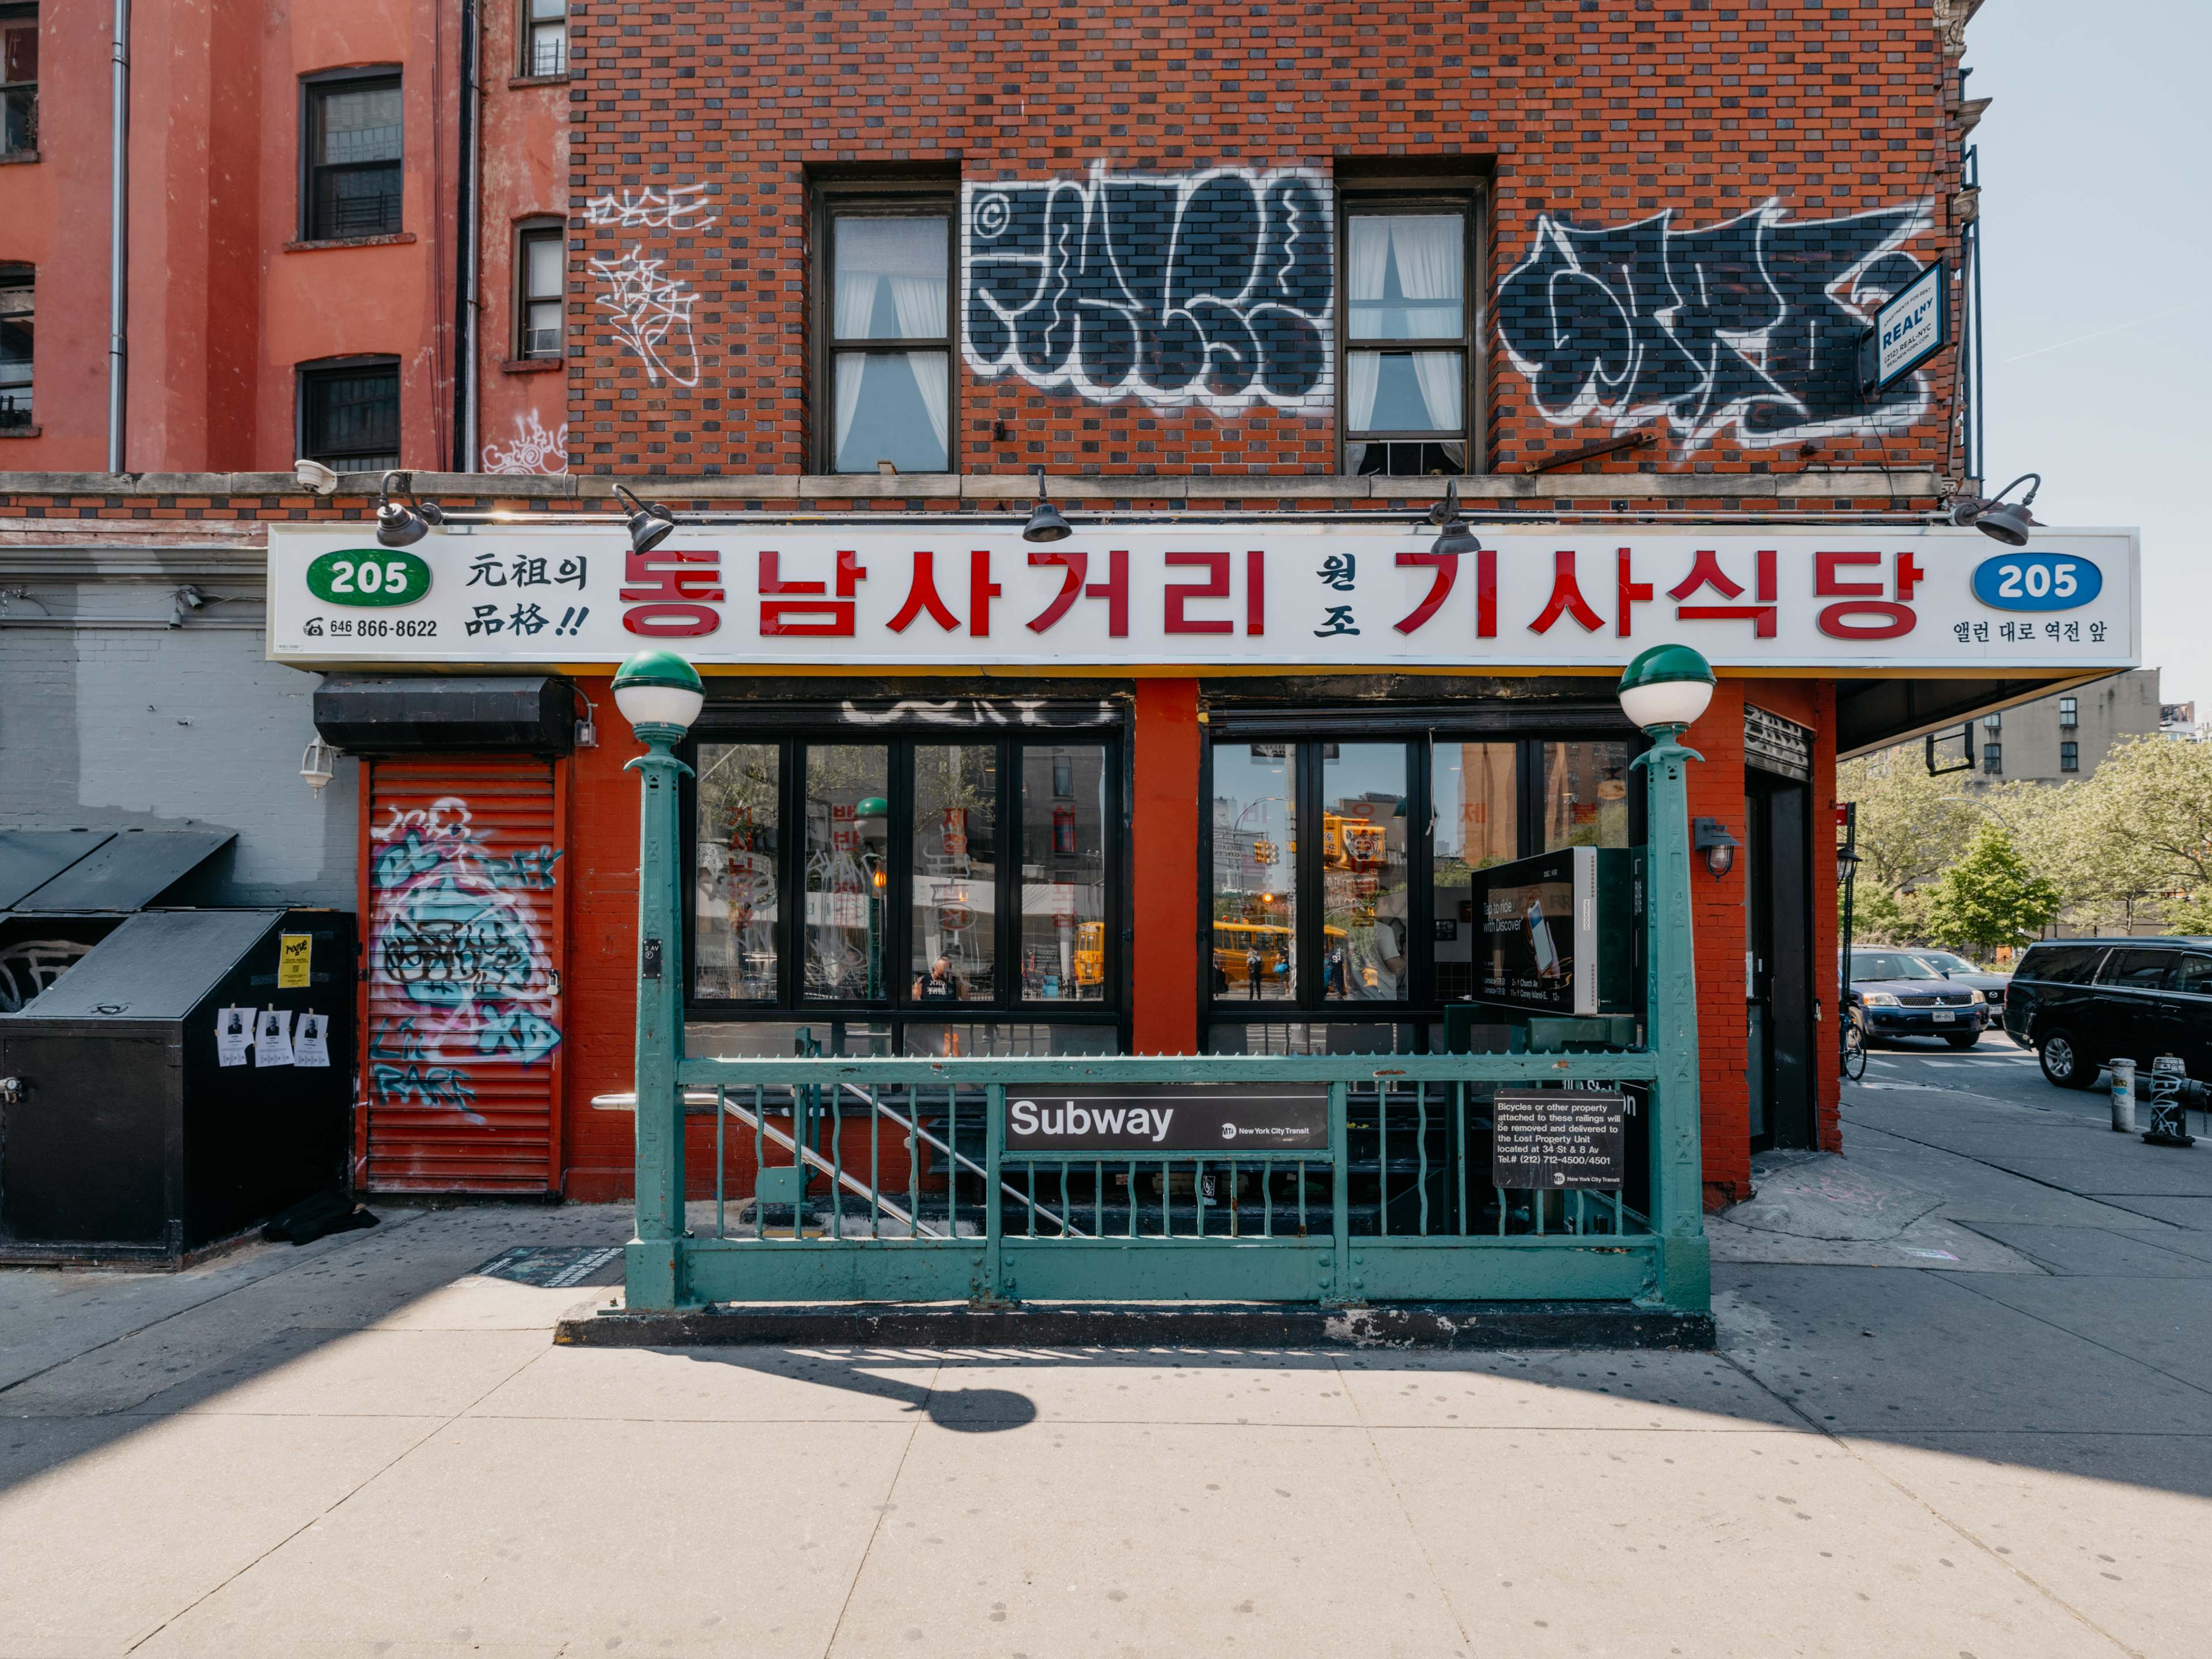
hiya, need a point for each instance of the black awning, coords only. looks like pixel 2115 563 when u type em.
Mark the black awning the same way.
pixel 122 870
pixel 401 714
pixel 1873 713
pixel 31 858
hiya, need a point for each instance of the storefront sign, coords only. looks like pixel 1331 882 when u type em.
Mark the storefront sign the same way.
pixel 1771 743
pixel 1570 1138
pixel 1872 598
pixel 1909 329
pixel 1223 1119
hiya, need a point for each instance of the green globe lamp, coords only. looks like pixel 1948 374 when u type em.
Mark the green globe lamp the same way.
pixel 1665 688
pixel 660 694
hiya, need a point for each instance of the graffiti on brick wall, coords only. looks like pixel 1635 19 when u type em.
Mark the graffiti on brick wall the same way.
pixel 532 449
pixel 651 306
pixel 459 972
pixel 1213 289
pixel 1748 328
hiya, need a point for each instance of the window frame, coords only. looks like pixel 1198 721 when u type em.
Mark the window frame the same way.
pixel 9 271
pixel 326 369
pixel 918 198
pixel 1993 759
pixel 525 29
pixel 1420 731
pixel 2069 756
pixel 17 14
pixel 318 84
pixel 520 300
pixel 2069 712
pixel 1470 200
pixel 736 723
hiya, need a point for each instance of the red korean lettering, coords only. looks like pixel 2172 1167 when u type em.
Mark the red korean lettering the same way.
pixel 784 604
pixel 672 591
pixel 981 590
pixel 1181 593
pixel 1486 593
pixel 1706 572
pixel 1566 598
pixel 1446 568
pixel 1255 592
pixel 1629 591
pixel 922 595
pixel 1862 613
pixel 1114 590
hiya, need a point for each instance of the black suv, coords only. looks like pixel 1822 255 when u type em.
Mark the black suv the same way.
pixel 2081 1002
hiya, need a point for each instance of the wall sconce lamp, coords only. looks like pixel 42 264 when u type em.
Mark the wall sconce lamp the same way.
pixel 1045 523
pixel 1454 535
pixel 2007 521
pixel 1710 837
pixel 649 523
pixel 402 524
pixel 317 765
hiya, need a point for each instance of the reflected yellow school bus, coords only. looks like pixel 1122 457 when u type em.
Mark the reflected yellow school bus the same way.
pixel 1235 941
pixel 1090 954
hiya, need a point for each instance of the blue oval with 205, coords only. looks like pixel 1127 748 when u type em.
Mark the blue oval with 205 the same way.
pixel 2037 581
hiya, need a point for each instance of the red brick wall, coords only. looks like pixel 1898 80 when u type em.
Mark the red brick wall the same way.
pixel 1602 114
pixel 1717 914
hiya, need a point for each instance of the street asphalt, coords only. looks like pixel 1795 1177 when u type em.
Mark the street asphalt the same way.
pixel 1963 1406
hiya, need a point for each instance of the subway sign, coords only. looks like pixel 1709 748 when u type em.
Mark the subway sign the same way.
pixel 1878 599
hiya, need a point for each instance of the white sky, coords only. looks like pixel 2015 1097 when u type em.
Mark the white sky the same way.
pixel 2097 223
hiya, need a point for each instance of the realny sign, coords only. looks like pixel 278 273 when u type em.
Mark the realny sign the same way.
pixel 1910 329
pixel 1885 600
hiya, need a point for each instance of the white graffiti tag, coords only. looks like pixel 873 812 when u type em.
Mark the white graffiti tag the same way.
pixel 651 313
pixel 680 207
pixel 534 450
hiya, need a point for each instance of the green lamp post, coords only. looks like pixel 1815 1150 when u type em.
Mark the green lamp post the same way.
pixel 1663 690
pixel 659 694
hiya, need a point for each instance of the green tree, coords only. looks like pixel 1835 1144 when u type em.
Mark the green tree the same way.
pixel 1990 897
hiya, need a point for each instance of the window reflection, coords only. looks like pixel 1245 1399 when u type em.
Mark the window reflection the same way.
pixel 955 872
pixel 1473 793
pixel 1364 912
pixel 1585 794
pixel 1063 819
pixel 847 825
pixel 1254 872
pixel 733 946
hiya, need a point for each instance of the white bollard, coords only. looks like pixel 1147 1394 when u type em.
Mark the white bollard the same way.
pixel 2124 1096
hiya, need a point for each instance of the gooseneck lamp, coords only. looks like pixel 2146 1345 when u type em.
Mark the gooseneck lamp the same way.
pixel 2009 522
pixel 1665 688
pixel 1454 536
pixel 402 524
pixel 649 523
pixel 1045 523
pixel 660 694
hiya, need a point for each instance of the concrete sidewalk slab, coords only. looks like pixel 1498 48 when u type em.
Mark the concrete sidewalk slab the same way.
pixel 2093 1518
pixel 1186 1388
pixel 696 1538
pixel 1146 1538
pixel 1820 1555
pixel 1693 1392
pixel 2104 1252
pixel 2165 1322
pixel 104 1550
pixel 712 1385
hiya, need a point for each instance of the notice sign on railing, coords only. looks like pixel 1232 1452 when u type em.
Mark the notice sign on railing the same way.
pixel 1558 1138
pixel 1189 1118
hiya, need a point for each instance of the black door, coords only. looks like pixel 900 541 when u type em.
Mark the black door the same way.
pixel 1779 981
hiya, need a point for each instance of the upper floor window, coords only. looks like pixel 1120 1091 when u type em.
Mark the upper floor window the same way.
pixel 1992 722
pixel 350 414
pixel 538 273
pixel 545 37
pixel 1408 346
pixel 19 79
pixel 891 347
pixel 2069 711
pixel 353 157
pixel 16 293
pixel 2069 756
pixel 1992 757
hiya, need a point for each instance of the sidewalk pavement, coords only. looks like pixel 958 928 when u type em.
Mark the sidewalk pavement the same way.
pixel 365 1446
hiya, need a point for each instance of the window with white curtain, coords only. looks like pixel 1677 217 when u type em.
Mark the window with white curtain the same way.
pixel 890 355
pixel 1406 348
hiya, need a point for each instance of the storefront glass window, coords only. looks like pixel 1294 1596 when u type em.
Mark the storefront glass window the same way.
pixel 847 821
pixel 735 933
pixel 974 1040
pixel 954 873
pixel 1475 813
pixel 1063 882
pixel 1585 794
pixel 1364 913
pixel 1256 833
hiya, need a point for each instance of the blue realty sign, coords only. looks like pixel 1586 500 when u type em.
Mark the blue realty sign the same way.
pixel 1910 328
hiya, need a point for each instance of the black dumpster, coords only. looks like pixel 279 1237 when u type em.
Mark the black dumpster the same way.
pixel 123 1134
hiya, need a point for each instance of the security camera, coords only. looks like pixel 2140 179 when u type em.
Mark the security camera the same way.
pixel 314 475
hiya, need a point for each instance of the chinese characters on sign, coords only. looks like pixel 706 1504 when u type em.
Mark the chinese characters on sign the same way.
pixel 1891 599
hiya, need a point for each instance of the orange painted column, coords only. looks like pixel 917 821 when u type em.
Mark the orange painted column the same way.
pixel 1716 908
pixel 1164 832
